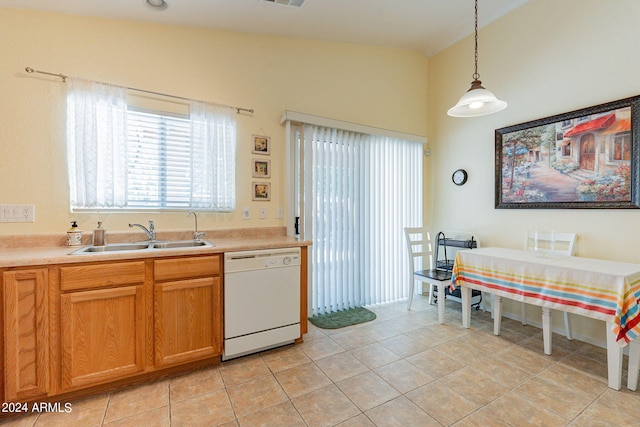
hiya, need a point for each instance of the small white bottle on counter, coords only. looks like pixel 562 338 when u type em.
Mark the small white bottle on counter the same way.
pixel 99 235
pixel 74 235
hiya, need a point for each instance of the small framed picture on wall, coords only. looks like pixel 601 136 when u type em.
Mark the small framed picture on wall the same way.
pixel 261 191
pixel 261 144
pixel 261 168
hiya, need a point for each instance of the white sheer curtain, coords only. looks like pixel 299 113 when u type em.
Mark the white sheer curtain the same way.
pixel 96 144
pixel 213 139
pixel 360 192
pixel 117 158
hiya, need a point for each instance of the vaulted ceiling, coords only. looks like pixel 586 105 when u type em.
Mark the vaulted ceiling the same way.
pixel 427 26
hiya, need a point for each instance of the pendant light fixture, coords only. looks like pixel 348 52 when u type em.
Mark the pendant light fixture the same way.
pixel 157 4
pixel 478 101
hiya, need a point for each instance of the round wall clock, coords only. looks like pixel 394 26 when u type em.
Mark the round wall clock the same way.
pixel 459 177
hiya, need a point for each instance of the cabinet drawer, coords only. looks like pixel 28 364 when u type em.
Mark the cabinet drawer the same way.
pixel 93 276
pixel 184 268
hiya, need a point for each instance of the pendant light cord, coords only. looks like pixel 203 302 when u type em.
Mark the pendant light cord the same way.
pixel 476 76
pixel 477 101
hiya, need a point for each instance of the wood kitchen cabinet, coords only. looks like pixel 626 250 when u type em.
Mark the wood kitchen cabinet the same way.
pixel 187 309
pixel 102 327
pixel 96 325
pixel 26 343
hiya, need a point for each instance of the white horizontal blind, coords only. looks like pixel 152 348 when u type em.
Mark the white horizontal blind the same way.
pixel 158 161
pixel 123 157
pixel 360 192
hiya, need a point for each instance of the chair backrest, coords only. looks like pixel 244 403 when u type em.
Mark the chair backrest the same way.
pixel 550 241
pixel 419 245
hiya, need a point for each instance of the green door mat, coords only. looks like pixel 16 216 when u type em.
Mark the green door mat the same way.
pixel 342 318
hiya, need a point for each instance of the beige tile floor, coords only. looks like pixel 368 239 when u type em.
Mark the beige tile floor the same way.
pixel 403 369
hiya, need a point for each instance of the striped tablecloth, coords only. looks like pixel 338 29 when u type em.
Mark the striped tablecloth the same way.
pixel 600 289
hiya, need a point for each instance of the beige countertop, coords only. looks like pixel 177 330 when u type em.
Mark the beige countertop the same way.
pixel 35 256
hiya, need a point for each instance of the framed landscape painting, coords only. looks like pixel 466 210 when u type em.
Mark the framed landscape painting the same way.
pixel 584 159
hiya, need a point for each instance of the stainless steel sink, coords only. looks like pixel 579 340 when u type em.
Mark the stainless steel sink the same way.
pixel 142 246
pixel 181 244
pixel 114 248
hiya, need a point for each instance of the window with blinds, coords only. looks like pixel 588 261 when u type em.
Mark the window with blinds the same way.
pixel 158 160
pixel 140 153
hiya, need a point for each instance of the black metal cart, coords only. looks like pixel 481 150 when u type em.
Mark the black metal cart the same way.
pixel 444 265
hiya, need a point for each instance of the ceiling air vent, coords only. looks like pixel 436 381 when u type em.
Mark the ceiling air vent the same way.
pixel 293 3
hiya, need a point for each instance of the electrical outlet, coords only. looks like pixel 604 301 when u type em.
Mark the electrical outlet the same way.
pixel 263 213
pixel 17 213
pixel 246 213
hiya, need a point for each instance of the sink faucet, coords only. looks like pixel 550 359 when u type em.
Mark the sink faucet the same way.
pixel 151 232
pixel 196 235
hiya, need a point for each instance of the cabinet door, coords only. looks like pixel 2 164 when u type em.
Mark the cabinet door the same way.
pixel 102 335
pixel 25 333
pixel 188 320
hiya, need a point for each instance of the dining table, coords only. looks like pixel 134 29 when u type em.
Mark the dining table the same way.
pixel 601 289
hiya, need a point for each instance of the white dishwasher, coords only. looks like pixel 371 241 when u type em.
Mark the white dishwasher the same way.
pixel 261 300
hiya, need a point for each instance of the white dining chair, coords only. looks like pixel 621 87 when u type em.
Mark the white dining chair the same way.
pixel 634 365
pixel 422 266
pixel 551 243
pixel 420 249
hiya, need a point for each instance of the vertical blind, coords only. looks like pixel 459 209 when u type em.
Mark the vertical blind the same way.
pixel 360 191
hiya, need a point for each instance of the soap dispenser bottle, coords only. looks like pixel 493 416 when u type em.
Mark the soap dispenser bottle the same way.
pixel 74 235
pixel 99 235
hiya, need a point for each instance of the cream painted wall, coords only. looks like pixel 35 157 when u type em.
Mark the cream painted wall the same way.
pixel 373 86
pixel 544 58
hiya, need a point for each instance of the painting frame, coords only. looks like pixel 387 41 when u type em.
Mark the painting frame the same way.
pixel 261 144
pixel 261 191
pixel 598 147
pixel 261 168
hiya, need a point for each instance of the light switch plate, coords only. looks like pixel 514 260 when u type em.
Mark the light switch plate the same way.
pixel 246 213
pixel 17 213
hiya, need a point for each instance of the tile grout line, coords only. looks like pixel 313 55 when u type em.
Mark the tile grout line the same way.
pixel 372 370
pixel 290 399
pixel 523 341
pixel 106 409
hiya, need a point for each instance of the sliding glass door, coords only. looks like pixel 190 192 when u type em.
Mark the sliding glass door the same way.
pixel 354 194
